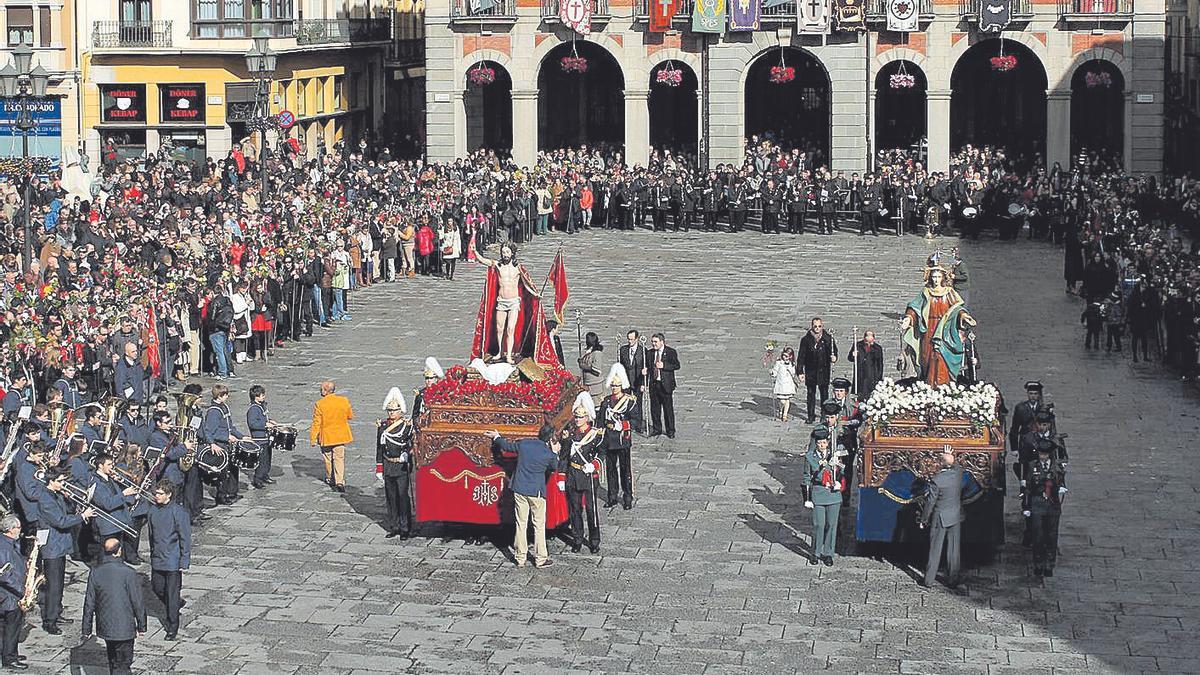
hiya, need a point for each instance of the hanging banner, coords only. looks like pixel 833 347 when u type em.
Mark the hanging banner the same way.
pixel 709 16
pixel 744 16
pixel 849 15
pixel 902 15
pixel 576 15
pixel 662 12
pixel 813 17
pixel 994 15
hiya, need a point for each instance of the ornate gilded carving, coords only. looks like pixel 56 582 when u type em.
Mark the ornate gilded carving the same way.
pixel 432 443
pixel 926 462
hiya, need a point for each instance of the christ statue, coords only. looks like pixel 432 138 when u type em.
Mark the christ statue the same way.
pixel 510 276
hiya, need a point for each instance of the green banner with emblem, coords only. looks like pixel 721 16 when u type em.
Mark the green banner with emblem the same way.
pixel 708 16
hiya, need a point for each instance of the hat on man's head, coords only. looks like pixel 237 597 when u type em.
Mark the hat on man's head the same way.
pixel 584 406
pixel 433 368
pixel 820 434
pixel 617 376
pixel 1033 385
pixel 841 383
pixel 394 400
pixel 830 408
pixel 1045 445
pixel 1044 416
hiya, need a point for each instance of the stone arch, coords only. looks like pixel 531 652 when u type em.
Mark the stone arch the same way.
pixel 900 54
pixel 673 54
pixel 673 110
pixel 1096 54
pixel 477 56
pixel 807 100
pixel 1039 49
pixel 614 47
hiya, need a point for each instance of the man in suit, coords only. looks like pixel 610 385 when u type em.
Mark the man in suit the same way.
pixel 633 360
pixel 170 551
pixel 814 361
pixel 868 354
pixel 943 511
pixel 113 603
pixel 331 430
pixel 661 364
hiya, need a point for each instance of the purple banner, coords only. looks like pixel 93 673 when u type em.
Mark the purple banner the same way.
pixel 744 15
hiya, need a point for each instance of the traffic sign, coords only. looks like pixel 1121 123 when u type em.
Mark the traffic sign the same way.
pixel 286 119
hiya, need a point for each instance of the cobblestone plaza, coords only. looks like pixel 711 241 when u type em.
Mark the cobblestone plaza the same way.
pixel 707 573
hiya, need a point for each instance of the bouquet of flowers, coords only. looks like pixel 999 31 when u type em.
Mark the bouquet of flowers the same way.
pixel 781 74
pixel 1004 63
pixel 902 81
pixel 1097 79
pixel 574 64
pixel 975 403
pixel 481 75
pixel 669 76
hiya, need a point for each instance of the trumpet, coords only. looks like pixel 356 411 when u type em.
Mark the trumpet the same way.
pixel 83 500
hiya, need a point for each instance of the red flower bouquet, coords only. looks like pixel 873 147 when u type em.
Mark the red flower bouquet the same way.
pixel 1004 63
pixel 782 74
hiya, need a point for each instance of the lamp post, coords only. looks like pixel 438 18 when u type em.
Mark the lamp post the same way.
pixel 21 81
pixel 260 62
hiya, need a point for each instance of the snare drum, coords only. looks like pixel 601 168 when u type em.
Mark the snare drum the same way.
pixel 283 438
pixel 246 454
pixel 210 461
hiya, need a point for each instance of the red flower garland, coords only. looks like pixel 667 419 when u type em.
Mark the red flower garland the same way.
pixel 1004 63
pixel 544 395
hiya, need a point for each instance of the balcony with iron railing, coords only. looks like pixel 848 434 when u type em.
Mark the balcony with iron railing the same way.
pixel 483 11
pixel 229 29
pixel 683 10
pixel 131 34
pixel 406 51
pixel 1022 10
pixel 343 31
pixel 877 11
pixel 550 10
pixel 1095 10
pixel 781 12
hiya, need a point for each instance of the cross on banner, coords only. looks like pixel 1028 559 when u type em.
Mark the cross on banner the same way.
pixel 813 17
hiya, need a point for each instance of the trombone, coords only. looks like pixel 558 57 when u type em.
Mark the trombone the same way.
pixel 83 500
pixel 126 480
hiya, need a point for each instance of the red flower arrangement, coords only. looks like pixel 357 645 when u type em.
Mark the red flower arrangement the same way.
pixel 669 76
pixel 781 74
pixel 902 81
pixel 457 386
pixel 1097 79
pixel 574 64
pixel 1004 63
pixel 481 75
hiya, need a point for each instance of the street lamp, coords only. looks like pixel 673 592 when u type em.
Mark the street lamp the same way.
pixel 23 83
pixel 260 62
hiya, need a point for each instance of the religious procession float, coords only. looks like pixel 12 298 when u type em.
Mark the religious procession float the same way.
pixel 513 383
pixel 937 405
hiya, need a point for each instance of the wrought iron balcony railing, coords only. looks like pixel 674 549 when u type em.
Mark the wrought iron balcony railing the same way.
pixel 683 10
pixel 484 10
pixel 341 31
pixel 1098 9
pixel 118 34
pixel 550 9
pixel 969 9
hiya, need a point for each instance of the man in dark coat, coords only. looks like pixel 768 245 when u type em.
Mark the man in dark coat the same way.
pixel 633 360
pixel 661 364
pixel 943 512
pixel 868 354
pixel 814 361
pixel 12 588
pixel 113 603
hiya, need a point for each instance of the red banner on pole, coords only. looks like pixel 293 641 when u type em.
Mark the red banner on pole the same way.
pixel 558 277
pixel 661 14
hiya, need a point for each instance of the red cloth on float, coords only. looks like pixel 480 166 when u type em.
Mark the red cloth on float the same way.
pixel 532 339
pixel 556 501
pixel 454 489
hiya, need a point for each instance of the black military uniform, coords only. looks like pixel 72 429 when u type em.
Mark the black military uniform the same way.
pixel 796 208
pixel 711 203
pixel 662 203
pixel 393 460
pixel 1047 485
pixel 619 414
pixel 772 205
pixel 579 449
pixel 871 200
pixel 739 198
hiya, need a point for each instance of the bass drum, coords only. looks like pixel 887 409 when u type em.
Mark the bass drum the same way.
pixel 246 454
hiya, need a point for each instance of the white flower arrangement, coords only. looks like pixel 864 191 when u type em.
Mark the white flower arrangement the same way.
pixel 975 404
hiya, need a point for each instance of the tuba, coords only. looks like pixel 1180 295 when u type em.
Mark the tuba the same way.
pixel 114 407
pixel 60 416
pixel 184 415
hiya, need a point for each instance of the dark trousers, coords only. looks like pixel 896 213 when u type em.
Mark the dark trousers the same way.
pixel 812 387
pixel 305 317
pixel 1114 339
pixel 869 220
pixel 120 656
pixel 825 222
pixel 399 506
pixel 130 543
pixel 619 475
pixel 576 503
pixel 795 222
pixel 1093 337
pixel 167 585
pixel 193 492
pixel 662 409
pixel 660 220
pixel 1043 525
pixel 227 484
pixel 710 221
pixel 950 537
pixel 327 302
pixel 10 634
pixel 55 570
pixel 737 220
pixel 263 471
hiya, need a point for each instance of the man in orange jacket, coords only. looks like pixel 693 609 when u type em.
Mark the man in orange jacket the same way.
pixel 331 430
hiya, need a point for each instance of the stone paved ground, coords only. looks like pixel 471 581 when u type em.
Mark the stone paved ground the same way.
pixel 707 573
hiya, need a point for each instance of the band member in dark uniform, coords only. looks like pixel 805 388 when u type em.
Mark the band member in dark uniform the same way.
pixel 393 464
pixel 1042 505
pixel 192 497
pixel 109 497
pixel 61 522
pixel 259 423
pixel 173 448
pixel 170 551
pixel 66 385
pixel 580 447
pixel 618 412
pixel 91 431
pixel 661 198
pixel 739 203
pixel 772 206
pixel 12 589
pixel 220 435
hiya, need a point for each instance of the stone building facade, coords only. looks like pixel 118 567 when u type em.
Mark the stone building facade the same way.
pixel 1089 72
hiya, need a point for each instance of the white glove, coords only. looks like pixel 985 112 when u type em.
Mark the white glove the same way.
pixel 562 485
pixel 1062 491
pixel 836 487
pixel 589 468
pixel 1022 482
pixel 379 477
pixel 1026 514
pixel 808 505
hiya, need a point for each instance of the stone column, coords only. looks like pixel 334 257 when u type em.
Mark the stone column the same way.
pixel 1127 132
pixel 637 126
pixel 460 123
pixel 1058 127
pixel 937 128
pixel 525 126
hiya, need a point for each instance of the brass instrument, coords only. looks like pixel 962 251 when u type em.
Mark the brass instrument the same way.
pixel 61 416
pixel 114 407
pixel 127 479
pixel 33 578
pixel 83 500
pixel 185 413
